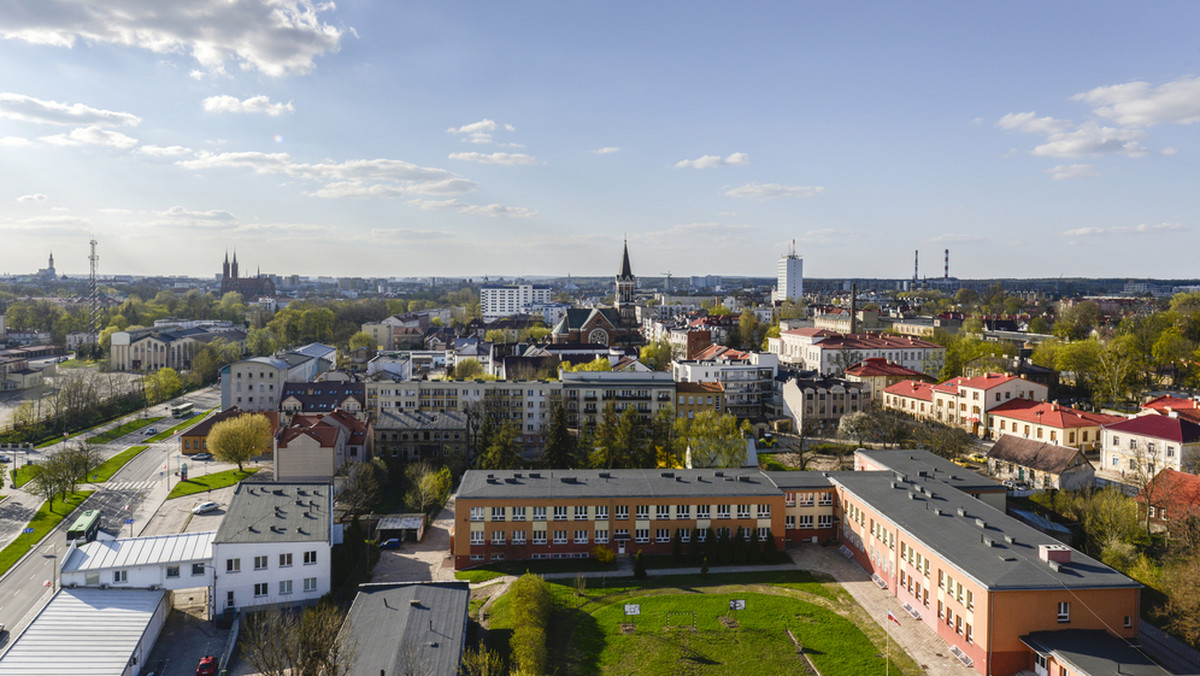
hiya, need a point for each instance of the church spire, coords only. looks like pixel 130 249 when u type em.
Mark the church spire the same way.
pixel 626 270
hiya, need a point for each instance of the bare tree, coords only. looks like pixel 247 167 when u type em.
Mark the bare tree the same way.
pixel 279 642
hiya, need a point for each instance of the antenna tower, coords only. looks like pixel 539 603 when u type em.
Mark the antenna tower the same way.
pixel 94 290
pixel 946 274
pixel 916 264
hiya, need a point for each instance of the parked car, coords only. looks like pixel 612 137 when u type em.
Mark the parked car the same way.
pixel 961 463
pixel 391 543
pixel 978 457
pixel 202 456
pixel 204 507
pixel 151 431
pixel 5 458
pixel 207 666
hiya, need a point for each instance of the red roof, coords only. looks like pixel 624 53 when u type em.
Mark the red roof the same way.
pixel 874 341
pixel 912 389
pixel 984 382
pixel 700 388
pixel 1177 492
pixel 1160 427
pixel 721 352
pixel 879 366
pixel 812 332
pixel 1167 402
pixel 1052 415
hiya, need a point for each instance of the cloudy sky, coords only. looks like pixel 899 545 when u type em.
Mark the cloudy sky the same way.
pixel 391 138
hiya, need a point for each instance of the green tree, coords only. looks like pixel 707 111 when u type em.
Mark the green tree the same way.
pixel 1171 353
pixel 559 451
pixel 606 453
pixel 662 450
pixel 1039 324
pixel 750 332
pixel 502 452
pixel 597 364
pixel 259 343
pixel 239 439
pixel 468 369
pixel 628 438
pixel 162 385
pixel 639 566
pixel 657 355
pixel 713 439
pixel 531 607
pixel 363 339
pixel 1076 322
pixel 360 492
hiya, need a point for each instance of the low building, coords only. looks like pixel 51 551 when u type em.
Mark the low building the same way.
pixel 1041 465
pixel 403 436
pixel 1170 499
pixel 1142 446
pixel 692 398
pixel 1050 422
pixel 961 402
pixel 877 374
pixel 181 561
pixel 408 627
pixel 274 546
pixel 816 405
pixel 323 397
pixel 194 439
pixel 317 447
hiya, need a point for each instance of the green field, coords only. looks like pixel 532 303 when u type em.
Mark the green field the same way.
pixel 169 432
pixel 591 635
pixel 42 523
pixel 122 430
pixel 110 467
pixel 210 482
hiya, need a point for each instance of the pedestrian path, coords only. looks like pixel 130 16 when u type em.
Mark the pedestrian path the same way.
pixel 146 485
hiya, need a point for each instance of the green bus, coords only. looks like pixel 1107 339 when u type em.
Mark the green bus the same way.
pixel 86 526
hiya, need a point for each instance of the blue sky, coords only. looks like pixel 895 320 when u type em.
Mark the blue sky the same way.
pixel 384 138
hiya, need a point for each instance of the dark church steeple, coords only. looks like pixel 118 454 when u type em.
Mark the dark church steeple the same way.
pixel 626 289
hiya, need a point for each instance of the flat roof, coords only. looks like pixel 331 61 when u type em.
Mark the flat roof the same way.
pixel 959 539
pixel 144 551
pixel 1094 652
pixel 801 480
pixel 914 461
pixel 397 626
pixel 621 483
pixel 83 631
pixel 277 512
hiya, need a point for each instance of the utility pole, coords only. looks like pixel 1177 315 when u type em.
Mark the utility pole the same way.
pixel 93 288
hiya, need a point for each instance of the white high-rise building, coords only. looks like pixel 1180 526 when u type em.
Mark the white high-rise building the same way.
pixel 504 301
pixel 789 283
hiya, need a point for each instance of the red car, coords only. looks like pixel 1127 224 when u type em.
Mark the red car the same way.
pixel 207 666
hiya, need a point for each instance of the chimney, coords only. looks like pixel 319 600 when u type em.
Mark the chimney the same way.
pixel 1056 553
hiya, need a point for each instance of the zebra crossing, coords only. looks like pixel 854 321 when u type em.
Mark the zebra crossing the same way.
pixel 132 485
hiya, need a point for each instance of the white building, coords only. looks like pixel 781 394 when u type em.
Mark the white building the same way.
pixel 831 353
pixel 789 283
pixel 255 384
pixel 516 299
pixel 274 546
pixel 747 376
pixel 156 562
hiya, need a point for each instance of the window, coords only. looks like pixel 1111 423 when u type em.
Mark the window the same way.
pixel 497 537
pixel 260 563
pixel 763 532
pixel 477 537
pixel 581 537
pixel 229 603
pixel 172 571
pixel 789 499
pixel 539 513
pixel 560 513
pixel 1064 611
pixel 285 560
pixel 622 512
pixel 601 537
pixel 825 498
pixel 683 511
pixel 643 512
pixel 560 537
pixel 806 500
pixel 970 600
pixel 662 511
pixel 310 557
pixel 260 589
pixel 685 534
pixel 120 576
pixel 806 520
pixel 722 511
pixel 824 521
pixel 789 522
pixel 764 511
pixel 310 584
pixel 518 513
pixel 233 565
pixel 1128 621
pixel 958 624
pixel 970 634
pixel 701 535
pixel 197 569
pixel 641 535
pixel 497 514
pixel 621 534
pixel 477 514
pixel 703 511
pixel 285 587
pixel 518 537
pixel 539 537
pixel 601 512
pixel 743 511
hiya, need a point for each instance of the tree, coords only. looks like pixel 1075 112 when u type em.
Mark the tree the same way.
pixel 677 547
pixel 749 329
pixel 661 449
pixel 363 339
pixel 279 642
pixel 946 441
pixel 1039 324
pixel 605 453
pixel 713 439
pixel 360 491
pixel 239 439
pixel 497 336
pixel 770 549
pixel 502 452
pixel 559 451
pixel 857 426
pixel 639 566
pixel 431 487
pixel 597 364
pixel 480 661
pixel 1077 321
pixel 657 355
pixel 1171 351
pixel 1115 364
pixel 628 435
pixel 1181 612
pixel 468 369
pixel 531 606
pixel 162 385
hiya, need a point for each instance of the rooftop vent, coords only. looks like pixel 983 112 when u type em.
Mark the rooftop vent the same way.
pixel 937 511
pixel 568 480
pixel 719 473
pixel 962 511
pixel 987 541
pixel 1010 539
pixel 668 475
pixel 604 475
pixel 1054 554
pixel 981 523
pixel 535 475
pixel 493 481
pixel 679 479
pixel 912 496
pixel 516 475
pixel 491 476
pixel 415 603
pixel 744 477
pixel 1054 565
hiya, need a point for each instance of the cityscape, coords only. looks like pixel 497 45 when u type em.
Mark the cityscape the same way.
pixel 488 340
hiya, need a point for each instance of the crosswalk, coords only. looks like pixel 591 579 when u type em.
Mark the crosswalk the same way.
pixel 132 485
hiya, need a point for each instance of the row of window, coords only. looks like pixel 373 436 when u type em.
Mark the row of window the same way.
pixel 824 498
pixel 261 589
pixel 234 565
pixel 641 512
pixel 600 536
pixel 806 521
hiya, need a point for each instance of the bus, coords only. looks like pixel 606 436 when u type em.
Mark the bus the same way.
pixel 184 410
pixel 86 526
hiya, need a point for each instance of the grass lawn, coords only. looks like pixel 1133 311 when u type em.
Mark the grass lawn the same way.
pixel 587 637
pixel 654 561
pixel 167 433
pixel 209 482
pixel 540 567
pixel 122 430
pixel 21 476
pixel 109 467
pixel 54 440
pixel 42 523
pixel 478 575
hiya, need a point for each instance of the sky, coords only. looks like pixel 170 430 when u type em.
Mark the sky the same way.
pixel 396 139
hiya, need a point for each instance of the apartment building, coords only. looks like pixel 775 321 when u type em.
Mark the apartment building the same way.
pixel 877 374
pixel 514 299
pixel 1049 422
pixel 816 405
pixel 524 402
pixel 565 514
pixel 1040 464
pixel 831 353
pixel 257 383
pixel 692 398
pixel 748 377
pixel 586 393
pixel 1146 444
pixel 962 402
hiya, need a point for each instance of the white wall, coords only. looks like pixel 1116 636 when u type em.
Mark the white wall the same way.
pixel 242 583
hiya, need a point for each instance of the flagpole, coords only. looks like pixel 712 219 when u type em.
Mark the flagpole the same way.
pixel 887 642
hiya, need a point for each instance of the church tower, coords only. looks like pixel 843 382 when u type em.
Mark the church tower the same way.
pixel 626 287
pixel 233 271
pixel 225 268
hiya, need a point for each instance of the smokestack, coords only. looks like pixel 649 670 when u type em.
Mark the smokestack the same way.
pixel 916 264
pixel 946 276
pixel 853 307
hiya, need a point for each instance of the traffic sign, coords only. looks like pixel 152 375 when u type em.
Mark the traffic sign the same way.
pixel 27 531
pixel 633 609
pixel 129 521
pixel 737 604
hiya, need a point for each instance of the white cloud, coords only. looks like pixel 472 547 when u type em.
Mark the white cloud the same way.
pixel 495 158
pixel 94 136
pixel 1030 123
pixel 1138 104
pixel 178 212
pixel 46 225
pixel 1093 139
pixel 827 236
pixel 607 150
pixel 408 234
pixel 765 191
pixel 377 179
pixel 255 105
pixel 956 237
pixel 163 151
pixel 708 234
pixel 489 210
pixel 276 37
pixel 712 161
pixel 1065 171
pixel 36 197
pixel 29 109
pixel 14 142
pixel 481 131
pixel 1143 228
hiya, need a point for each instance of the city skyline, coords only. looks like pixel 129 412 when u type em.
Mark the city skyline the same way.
pixel 375 140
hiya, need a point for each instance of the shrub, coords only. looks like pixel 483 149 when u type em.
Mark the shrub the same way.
pixel 639 566
pixel 770 550
pixel 676 547
pixel 531 606
pixel 604 555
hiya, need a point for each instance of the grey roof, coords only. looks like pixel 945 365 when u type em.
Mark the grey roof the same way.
pixel 789 481
pixel 417 627
pixel 624 483
pixel 1094 652
pixel 420 420
pixel 266 361
pixel 324 396
pixel 277 512
pixel 83 631
pixel 915 461
pixel 615 378
pixel 1034 454
pixel 145 551
pixel 957 536
pixel 400 522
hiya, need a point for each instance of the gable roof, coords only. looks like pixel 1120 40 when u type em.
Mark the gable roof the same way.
pixel 1052 415
pixel 323 396
pixel 387 621
pixel 1166 403
pixel 912 389
pixel 880 366
pixel 205 426
pixel 1037 455
pixel 722 353
pixel 1159 426
pixel 984 382
pixel 1178 492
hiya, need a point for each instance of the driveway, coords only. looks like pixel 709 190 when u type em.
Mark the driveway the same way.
pixel 426 561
